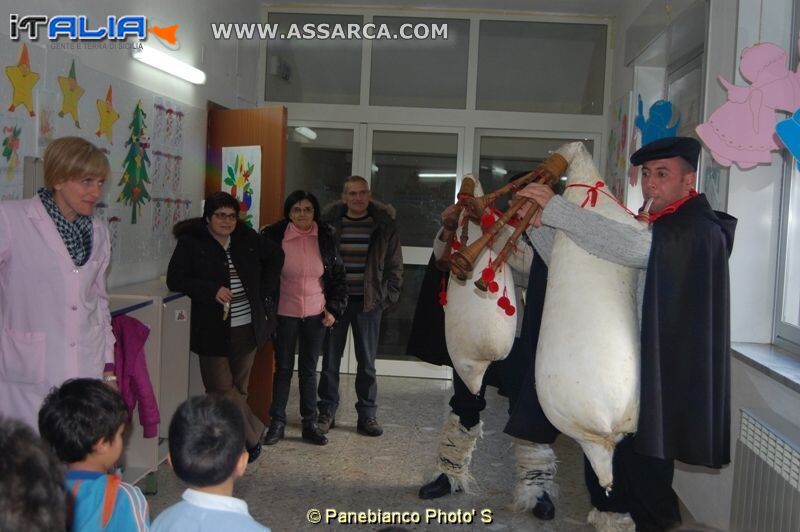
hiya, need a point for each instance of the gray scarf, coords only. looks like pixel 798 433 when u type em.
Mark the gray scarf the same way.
pixel 77 235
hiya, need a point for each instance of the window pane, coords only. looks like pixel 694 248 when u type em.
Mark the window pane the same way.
pixel 421 73
pixel 541 67
pixel 313 71
pixel 396 321
pixel 318 164
pixel 502 157
pixel 416 173
pixel 791 287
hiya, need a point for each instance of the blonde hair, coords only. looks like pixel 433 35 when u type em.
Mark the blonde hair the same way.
pixel 70 158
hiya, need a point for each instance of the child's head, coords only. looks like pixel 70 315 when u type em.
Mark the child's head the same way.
pixel 33 495
pixel 84 418
pixel 206 441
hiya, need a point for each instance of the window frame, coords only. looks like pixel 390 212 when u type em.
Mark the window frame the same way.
pixel 787 335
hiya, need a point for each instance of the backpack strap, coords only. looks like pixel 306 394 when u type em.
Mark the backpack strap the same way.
pixel 110 498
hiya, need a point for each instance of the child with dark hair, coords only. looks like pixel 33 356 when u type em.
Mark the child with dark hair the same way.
pixel 83 421
pixel 33 496
pixel 207 451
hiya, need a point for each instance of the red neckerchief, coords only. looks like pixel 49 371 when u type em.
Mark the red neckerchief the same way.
pixel 672 207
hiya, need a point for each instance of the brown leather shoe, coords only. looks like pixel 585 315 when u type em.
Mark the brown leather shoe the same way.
pixel 326 422
pixel 369 426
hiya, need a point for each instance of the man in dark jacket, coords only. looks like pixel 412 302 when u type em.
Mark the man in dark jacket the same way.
pixel 366 235
pixel 685 330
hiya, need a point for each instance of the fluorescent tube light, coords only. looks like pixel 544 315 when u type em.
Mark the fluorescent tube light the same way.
pixel 168 64
pixel 434 175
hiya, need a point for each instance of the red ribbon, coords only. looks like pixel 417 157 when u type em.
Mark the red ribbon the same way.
pixel 592 195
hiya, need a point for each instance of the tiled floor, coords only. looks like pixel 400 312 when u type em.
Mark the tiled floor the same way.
pixel 354 473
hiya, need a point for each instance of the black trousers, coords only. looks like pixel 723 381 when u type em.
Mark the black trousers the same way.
pixel 465 405
pixel 311 333
pixel 642 487
pixel 366 332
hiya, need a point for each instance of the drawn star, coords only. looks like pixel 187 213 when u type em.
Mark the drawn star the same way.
pixel 22 80
pixel 108 116
pixel 71 92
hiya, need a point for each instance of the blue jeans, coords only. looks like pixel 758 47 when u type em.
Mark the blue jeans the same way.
pixel 311 334
pixel 366 329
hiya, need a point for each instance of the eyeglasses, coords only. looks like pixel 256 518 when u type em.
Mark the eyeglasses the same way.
pixel 302 210
pixel 222 216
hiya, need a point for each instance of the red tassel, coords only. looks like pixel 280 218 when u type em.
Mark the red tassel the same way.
pixel 504 303
pixel 487 275
pixel 443 292
pixel 510 310
pixel 493 287
pixel 456 245
pixel 487 220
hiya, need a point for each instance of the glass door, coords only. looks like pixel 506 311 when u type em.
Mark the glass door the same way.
pixel 415 170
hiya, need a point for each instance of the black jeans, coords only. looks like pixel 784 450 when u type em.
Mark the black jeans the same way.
pixel 366 329
pixel 311 334
pixel 642 486
pixel 466 406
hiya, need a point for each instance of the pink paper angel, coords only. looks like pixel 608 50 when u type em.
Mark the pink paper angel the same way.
pixel 742 130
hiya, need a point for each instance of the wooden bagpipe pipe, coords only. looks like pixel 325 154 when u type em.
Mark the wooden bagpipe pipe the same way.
pixel 461 262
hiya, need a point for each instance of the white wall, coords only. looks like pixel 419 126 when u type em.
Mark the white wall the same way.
pixel 754 196
pixel 231 69
pixel 707 492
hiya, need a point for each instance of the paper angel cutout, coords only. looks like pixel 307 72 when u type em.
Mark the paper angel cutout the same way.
pixel 742 130
pixel 789 132
pixel 663 121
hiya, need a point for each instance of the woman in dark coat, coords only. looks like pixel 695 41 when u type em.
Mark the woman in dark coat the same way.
pixel 313 295
pixel 231 275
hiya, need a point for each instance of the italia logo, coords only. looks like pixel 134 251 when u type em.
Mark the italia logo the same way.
pixel 78 28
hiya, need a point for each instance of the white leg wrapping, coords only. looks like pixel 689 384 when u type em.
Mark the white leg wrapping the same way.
pixel 456 444
pixel 536 469
pixel 610 521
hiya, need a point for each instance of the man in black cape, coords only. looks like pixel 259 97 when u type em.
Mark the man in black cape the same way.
pixel 684 295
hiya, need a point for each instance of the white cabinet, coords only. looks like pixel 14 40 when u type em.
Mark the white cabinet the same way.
pixel 167 352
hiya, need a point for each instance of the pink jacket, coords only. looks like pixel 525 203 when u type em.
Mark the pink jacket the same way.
pixel 54 317
pixel 301 276
pixel 133 378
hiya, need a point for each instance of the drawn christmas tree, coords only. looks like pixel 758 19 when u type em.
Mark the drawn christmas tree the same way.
pixel 134 179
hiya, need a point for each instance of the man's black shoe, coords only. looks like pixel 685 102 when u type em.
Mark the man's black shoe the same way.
pixel 275 433
pixel 253 453
pixel 314 435
pixel 369 427
pixel 544 509
pixel 435 489
pixel 326 422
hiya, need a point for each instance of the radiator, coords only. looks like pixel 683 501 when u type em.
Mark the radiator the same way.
pixel 766 478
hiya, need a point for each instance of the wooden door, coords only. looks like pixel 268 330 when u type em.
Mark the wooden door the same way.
pixel 265 127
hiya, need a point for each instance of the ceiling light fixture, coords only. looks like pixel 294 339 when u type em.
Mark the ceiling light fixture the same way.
pixel 168 64
pixel 307 132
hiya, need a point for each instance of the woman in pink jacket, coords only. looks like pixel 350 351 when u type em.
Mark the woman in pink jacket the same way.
pixel 313 294
pixel 54 317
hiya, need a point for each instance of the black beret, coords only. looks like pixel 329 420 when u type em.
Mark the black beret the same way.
pixel 666 148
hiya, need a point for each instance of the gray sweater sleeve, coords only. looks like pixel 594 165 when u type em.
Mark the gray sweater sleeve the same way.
pixel 605 238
